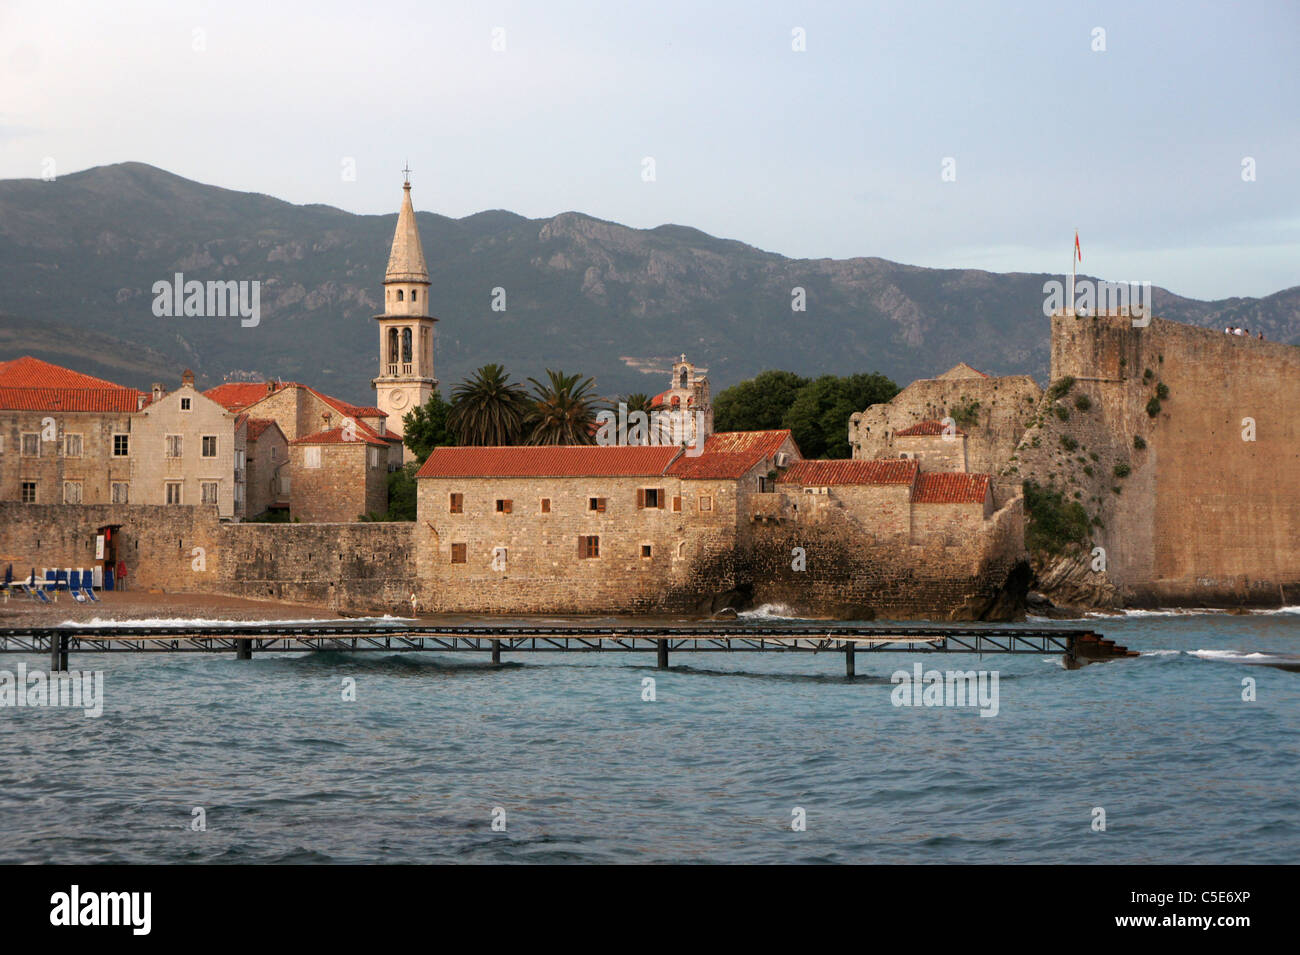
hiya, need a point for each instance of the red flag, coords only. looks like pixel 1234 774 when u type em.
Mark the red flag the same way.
pixel 1077 250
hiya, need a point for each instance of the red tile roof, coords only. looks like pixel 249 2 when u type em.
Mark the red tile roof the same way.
pixel 361 435
pixel 257 425
pixel 926 428
pixel 29 384
pixel 241 395
pixel 238 395
pixel 825 473
pixel 951 488
pixel 730 454
pixel 550 461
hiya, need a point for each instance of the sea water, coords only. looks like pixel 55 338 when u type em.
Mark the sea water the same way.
pixel 739 757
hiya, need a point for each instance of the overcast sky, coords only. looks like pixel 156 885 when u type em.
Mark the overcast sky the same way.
pixel 837 150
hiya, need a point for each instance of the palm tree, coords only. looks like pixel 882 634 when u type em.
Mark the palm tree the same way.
pixel 488 409
pixel 563 411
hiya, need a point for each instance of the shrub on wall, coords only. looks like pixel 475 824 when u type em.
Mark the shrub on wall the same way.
pixel 1056 525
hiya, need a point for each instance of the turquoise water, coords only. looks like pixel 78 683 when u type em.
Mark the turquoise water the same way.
pixel 712 771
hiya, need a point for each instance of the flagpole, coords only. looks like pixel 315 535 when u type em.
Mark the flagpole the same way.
pixel 1073 267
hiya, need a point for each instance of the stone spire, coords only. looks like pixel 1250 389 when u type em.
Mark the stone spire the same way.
pixel 406 261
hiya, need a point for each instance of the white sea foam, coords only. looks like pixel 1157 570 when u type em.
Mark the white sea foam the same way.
pixel 1161 653
pixel 103 623
pixel 1238 655
pixel 768 612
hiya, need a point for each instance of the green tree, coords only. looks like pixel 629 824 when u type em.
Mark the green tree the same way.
pixel 425 427
pixel 488 409
pixel 563 410
pixel 758 404
pixel 401 493
pixel 818 418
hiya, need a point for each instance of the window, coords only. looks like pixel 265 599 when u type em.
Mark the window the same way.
pixel 121 445
pixel 185 404
pixel 2 444
pixel 173 492
pixel 121 493
pixel 645 550
pixel 546 505
pixel 311 457
pixel 400 295
pixel 456 504
pixel 458 553
pixel 414 295
pixel 29 492
pixel 71 492
pixel 374 457
pixel 175 445
pixel 650 497
pixel 596 504
pixel 72 445
pixel 240 458
pixel 504 505
pixel 208 492
pixel 209 449
pixel 32 445
pixel 677 503
pixel 765 484
pixel 588 546
pixel 706 503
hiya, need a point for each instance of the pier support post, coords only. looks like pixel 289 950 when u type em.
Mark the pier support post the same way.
pixel 58 652
pixel 243 649
pixel 496 652
pixel 663 654
pixel 850 663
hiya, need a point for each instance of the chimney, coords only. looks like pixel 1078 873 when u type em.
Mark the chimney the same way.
pixel 187 378
pixel 158 391
pixel 270 387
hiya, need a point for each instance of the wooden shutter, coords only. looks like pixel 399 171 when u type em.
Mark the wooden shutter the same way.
pixel 659 498
pixel 640 497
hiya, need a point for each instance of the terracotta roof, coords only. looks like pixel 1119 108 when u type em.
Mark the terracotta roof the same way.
pixel 335 436
pixel 68 399
pixel 824 473
pixel 257 425
pixel 241 395
pixel 951 488
pixel 926 428
pixel 658 399
pixel 564 460
pixel 238 395
pixel 29 372
pixel 730 454
pixel 29 384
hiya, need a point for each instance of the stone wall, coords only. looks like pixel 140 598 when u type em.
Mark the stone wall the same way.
pixel 1201 517
pixel 361 567
pixel 853 573
pixel 993 429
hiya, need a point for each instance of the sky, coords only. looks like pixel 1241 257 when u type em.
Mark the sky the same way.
pixel 952 135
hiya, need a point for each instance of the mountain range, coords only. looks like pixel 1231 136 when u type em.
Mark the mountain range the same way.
pixel 79 257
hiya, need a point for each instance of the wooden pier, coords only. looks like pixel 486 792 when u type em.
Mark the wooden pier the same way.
pixel 1077 647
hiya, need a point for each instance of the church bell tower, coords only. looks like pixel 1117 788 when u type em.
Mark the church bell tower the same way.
pixel 406 328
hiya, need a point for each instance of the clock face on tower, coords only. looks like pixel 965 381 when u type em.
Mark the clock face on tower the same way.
pixel 398 399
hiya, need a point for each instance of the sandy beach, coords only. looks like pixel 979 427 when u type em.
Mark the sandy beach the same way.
pixel 20 611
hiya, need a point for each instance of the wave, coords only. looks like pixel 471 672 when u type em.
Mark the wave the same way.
pixel 769 612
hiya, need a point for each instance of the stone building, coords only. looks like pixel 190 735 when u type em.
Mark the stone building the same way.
pixel 938 447
pixel 65 437
pixel 991 412
pixel 189 449
pixel 268 467
pixel 338 476
pixel 300 412
pixel 589 529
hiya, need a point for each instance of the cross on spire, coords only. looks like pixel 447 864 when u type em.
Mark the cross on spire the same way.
pixel 406 171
